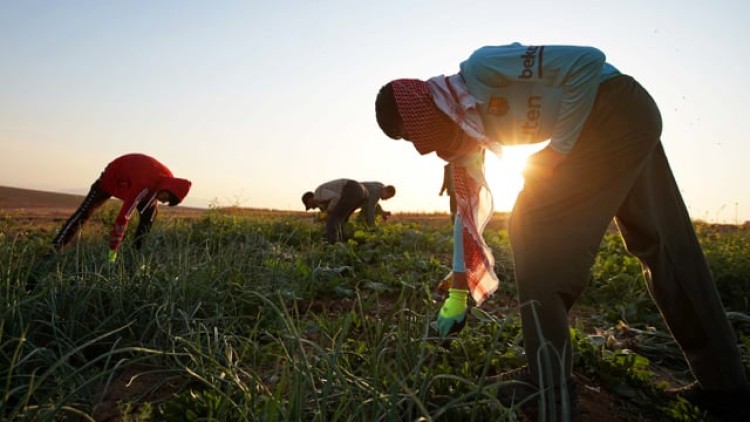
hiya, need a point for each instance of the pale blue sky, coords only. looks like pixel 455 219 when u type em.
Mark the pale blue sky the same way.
pixel 259 101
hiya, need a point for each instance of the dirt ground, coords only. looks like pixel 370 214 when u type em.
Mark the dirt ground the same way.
pixel 596 404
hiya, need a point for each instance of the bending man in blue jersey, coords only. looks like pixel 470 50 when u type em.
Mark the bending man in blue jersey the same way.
pixel 604 160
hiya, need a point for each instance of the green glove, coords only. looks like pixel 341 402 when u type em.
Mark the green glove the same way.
pixel 452 316
pixel 112 256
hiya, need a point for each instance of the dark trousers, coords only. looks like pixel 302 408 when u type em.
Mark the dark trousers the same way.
pixel 353 197
pixel 617 169
pixel 93 201
pixel 147 214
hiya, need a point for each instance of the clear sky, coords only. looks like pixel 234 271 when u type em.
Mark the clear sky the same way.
pixel 258 101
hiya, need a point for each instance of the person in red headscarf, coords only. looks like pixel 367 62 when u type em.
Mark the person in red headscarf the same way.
pixel 141 182
pixel 604 161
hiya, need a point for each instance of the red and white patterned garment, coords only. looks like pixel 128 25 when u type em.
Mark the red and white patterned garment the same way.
pixel 135 178
pixel 440 115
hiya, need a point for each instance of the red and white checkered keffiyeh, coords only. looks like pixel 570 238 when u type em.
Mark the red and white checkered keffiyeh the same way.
pixel 440 115
pixel 425 126
pixel 475 205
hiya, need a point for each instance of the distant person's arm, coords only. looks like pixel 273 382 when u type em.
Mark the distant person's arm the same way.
pixel 123 218
pixel 446 179
pixel 379 211
pixel 118 231
pixel 371 209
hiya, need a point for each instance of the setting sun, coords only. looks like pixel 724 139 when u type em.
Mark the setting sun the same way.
pixel 504 174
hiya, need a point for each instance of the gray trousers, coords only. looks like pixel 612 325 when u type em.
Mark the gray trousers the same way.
pixel 618 170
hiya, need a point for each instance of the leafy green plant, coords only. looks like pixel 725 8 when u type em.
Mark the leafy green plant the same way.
pixel 255 317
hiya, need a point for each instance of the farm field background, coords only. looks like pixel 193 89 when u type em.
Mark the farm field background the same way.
pixel 240 314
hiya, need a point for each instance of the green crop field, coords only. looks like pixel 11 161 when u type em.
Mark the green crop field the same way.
pixel 240 316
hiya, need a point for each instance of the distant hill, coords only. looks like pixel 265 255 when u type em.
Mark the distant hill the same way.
pixel 37 203
pixel 18 198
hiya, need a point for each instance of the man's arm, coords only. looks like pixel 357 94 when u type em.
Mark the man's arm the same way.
pixel 374 191
pixel 122 219
pixel 370 211
pixel 446 178
pixel 452 316
pixel 118 229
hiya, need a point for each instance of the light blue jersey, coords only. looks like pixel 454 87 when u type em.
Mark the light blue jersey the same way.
pixel 529 94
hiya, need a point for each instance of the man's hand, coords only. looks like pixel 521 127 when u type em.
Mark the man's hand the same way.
pixel 112 256
pixel 542 165
pixel 452 316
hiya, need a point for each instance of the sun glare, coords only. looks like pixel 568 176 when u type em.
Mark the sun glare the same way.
pixel 504 175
